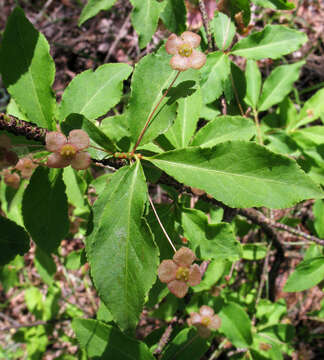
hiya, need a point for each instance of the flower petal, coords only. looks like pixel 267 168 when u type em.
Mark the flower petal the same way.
pixel 191 38
pixel 178 288
pixel 57 161
pixel 184 256
pixel 173 44
pixel 203 331
pixel 54 141
pixel 194 275
pixel 81 161
pixel 206 311
pixel 195 318
pixel 79 139
pixel 197 59
pixel 215 322
pixel 167 271
pixel 180 63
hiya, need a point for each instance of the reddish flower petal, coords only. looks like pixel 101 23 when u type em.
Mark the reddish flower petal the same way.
pixel 81 161
pixel 195 318
pixel 215 322
pixel 79 139
pixel 191 38
pixel 12 179
pixel 197 59
pixel 26 167
pixel 194 275
pixel 54 141
pixel 206 311
pixel 203 331
pixel 173 44
pixel 184 257
pixel 178 288
pixel 57 161
pixel 180 63
pixel 167 271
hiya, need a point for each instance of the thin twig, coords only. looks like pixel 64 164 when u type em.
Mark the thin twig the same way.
pixel 36 323
pixel 161 225
pixel 164 339
pixel 120 34
pixel 204 15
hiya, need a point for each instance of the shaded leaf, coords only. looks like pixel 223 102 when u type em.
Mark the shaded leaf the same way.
pixel 45 208
pixel 14 240
pixel 101 341
pixel 27 69
pixel 174 16
pixel 253 83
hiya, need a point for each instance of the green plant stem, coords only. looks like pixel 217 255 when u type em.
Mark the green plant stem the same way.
pixel 161 225
pixel 257 124
pixel 152 113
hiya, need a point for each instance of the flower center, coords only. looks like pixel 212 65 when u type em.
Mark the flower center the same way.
pixel 68 151
pixel 185 50
pixel 182 274
pixel 205 321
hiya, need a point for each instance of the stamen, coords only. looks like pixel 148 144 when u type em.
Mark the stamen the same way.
pixel 185 50
pixel 68 150
pixel 182 274
pixel 205 321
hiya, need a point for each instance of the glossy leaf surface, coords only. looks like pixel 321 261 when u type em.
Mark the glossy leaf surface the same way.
pixel 93 93
pixel 272 42
pixel 240 174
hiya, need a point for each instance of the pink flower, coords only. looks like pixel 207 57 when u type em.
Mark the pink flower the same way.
pixel 67 151
pixel 26 167
pixel 11 179
pixel 179 273
pixel 182 47
pixel 204 321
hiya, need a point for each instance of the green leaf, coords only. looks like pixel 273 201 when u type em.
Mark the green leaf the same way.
pixel 254 251
pixel 174 16
pixel 312 110
pixel 126 251
pixel 211 241
pixel 93 7
pixel 152 75
pixel 27 69
pixel 279 84
pixel 236 325
pixel 145 16
pixel 45 208
pixel 309 137
pixel 77 121
pixel 223 30
pixel 75 187
pixel 186 345
pixel 240 174
pixel 222 129
pixel 253 83
pixel 45 265
pixel 34 301
pixel 188 113
pixel 275 4
pixel 237 6
pixel 93 93
pixel 213 74
pixel 307 274
pixel 318 210
pixel 101 341
pixel 272 42
pixel 14 240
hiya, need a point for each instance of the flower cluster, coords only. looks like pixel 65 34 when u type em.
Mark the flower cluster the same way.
pixel 179 273
pixel 26 167
pixel 67 151
pixel 7 157
pixel 182 47
pixel 204 321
